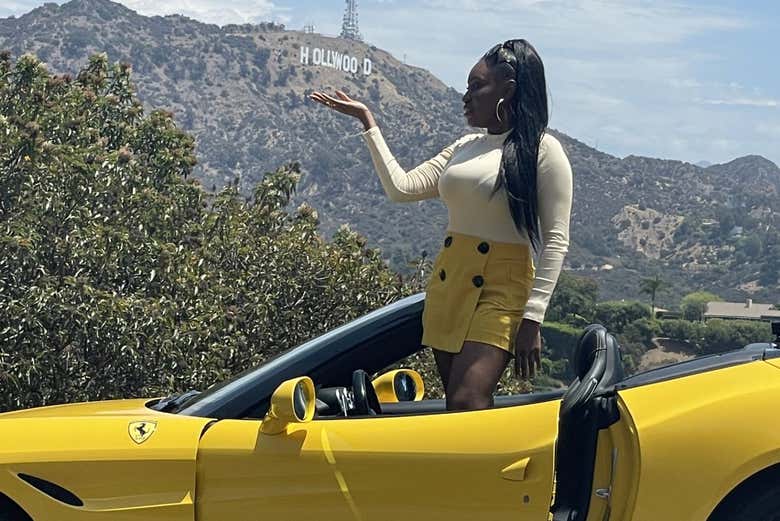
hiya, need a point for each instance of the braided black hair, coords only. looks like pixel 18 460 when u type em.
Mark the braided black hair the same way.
pixel 528 110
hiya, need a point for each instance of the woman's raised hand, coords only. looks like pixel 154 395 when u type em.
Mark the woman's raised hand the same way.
pixel 346 105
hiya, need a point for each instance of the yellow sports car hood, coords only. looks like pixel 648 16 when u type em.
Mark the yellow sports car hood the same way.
pixel 113 456
pixel 107 408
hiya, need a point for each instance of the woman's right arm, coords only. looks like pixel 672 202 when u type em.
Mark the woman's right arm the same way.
pixel 400 186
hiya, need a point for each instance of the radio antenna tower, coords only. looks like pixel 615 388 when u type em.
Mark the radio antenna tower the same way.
pixel 349 28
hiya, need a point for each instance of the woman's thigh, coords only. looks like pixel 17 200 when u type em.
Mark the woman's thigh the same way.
pixel 475 371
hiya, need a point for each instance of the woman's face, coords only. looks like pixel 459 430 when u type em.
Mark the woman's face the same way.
pixel 482 94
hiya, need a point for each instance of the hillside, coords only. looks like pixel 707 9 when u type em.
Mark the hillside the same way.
pixel 241 90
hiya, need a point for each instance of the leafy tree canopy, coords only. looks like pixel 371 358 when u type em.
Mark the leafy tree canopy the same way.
pixel 694 305
pixel 119 277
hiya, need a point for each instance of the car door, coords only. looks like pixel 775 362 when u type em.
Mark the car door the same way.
pixel 491 464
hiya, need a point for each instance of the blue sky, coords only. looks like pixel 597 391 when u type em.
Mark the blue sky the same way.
pixel 676 79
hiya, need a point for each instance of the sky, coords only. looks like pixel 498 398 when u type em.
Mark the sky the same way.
pixel 691 80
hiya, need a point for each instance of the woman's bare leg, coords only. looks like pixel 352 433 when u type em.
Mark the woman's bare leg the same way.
pixel 474 375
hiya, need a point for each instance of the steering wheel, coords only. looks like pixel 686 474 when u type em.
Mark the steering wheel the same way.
pixel 364 395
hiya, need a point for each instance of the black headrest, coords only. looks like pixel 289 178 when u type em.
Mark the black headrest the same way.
pixel 592 339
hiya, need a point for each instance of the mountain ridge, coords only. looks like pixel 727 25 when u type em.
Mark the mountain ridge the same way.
pixel 241 90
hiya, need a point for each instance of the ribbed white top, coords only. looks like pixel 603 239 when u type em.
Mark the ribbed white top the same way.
pixel 463 175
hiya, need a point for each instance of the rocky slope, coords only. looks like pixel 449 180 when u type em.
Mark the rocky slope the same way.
pixel 241 90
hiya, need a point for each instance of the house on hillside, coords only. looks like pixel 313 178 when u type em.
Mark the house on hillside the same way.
pixel 747 310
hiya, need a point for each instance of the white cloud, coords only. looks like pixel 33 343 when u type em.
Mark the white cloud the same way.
pixel 623 75
pixel 595 23
pixel 237 11
pixel 209 11
pixel 743 102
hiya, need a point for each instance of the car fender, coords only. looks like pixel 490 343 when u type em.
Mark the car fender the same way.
pixel 700 436
pixel 88 450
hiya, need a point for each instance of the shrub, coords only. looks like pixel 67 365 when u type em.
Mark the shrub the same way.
pixel 615 316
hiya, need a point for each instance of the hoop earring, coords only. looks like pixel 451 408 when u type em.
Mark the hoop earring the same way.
pixel 498 116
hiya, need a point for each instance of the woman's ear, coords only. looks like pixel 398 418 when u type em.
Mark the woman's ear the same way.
pixel 509 89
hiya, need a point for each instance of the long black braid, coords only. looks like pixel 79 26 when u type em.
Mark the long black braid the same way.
pixel 517 59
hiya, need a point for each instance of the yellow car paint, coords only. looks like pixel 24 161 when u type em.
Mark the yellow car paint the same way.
pixel 616 470
pixel 775 362
pixel 699 437
pixel 118 479
pixel 283 411
pixel 433 467
pixel 680 447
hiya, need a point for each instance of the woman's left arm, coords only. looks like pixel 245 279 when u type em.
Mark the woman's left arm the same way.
pixel 554 196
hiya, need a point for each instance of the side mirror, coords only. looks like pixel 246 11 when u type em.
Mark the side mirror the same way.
pixel 400 385
pixel 292 402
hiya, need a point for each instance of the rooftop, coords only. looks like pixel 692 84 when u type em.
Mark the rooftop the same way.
pixel 748 310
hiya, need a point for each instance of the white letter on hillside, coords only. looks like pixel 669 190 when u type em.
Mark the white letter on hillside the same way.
pixel 305 55
pixel 317 56
pixel 353 65
pixel 366 66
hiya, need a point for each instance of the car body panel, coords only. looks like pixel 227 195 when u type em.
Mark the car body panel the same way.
pixel 434 467
pixel 700 436
pixel 774 362
pixel 616 469
pixel 88 450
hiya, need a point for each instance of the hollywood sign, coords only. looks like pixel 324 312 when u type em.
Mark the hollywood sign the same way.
pixel 335 60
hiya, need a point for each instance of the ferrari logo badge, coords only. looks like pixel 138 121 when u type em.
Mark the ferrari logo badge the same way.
pixel 141 431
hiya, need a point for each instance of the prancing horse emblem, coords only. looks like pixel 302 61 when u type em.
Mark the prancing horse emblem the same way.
pixel 141 431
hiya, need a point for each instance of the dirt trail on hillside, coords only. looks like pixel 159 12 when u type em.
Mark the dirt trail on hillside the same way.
pixel 665 352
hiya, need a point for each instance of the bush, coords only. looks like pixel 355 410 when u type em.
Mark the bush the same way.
pixel 559 343
pixel 642 331
pixel 615 316
pixel 724 335
pixel 683 330
pixel 717 336
pixel 559 340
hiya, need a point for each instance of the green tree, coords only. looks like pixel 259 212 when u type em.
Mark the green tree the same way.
pixel 651 286
pixel 121 277
pixel 693 305
pixel 615 316
pixel 573 299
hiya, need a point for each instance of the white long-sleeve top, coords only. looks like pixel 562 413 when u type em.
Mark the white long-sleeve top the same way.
pixel 463 175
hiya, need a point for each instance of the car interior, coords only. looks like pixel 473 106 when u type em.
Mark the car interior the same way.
pixel 360 398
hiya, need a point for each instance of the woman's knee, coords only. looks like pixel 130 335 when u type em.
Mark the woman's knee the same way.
pixel 467 399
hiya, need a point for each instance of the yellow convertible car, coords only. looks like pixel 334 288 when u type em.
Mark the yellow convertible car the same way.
pixel 310 436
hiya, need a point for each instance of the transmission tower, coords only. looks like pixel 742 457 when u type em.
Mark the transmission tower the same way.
pixel 349 28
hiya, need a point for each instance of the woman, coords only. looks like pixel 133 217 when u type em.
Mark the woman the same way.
pixel 506 192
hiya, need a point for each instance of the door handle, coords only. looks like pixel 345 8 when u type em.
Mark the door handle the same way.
pixel 516 471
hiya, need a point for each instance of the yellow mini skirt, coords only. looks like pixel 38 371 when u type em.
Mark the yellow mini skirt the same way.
pixel 477 291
